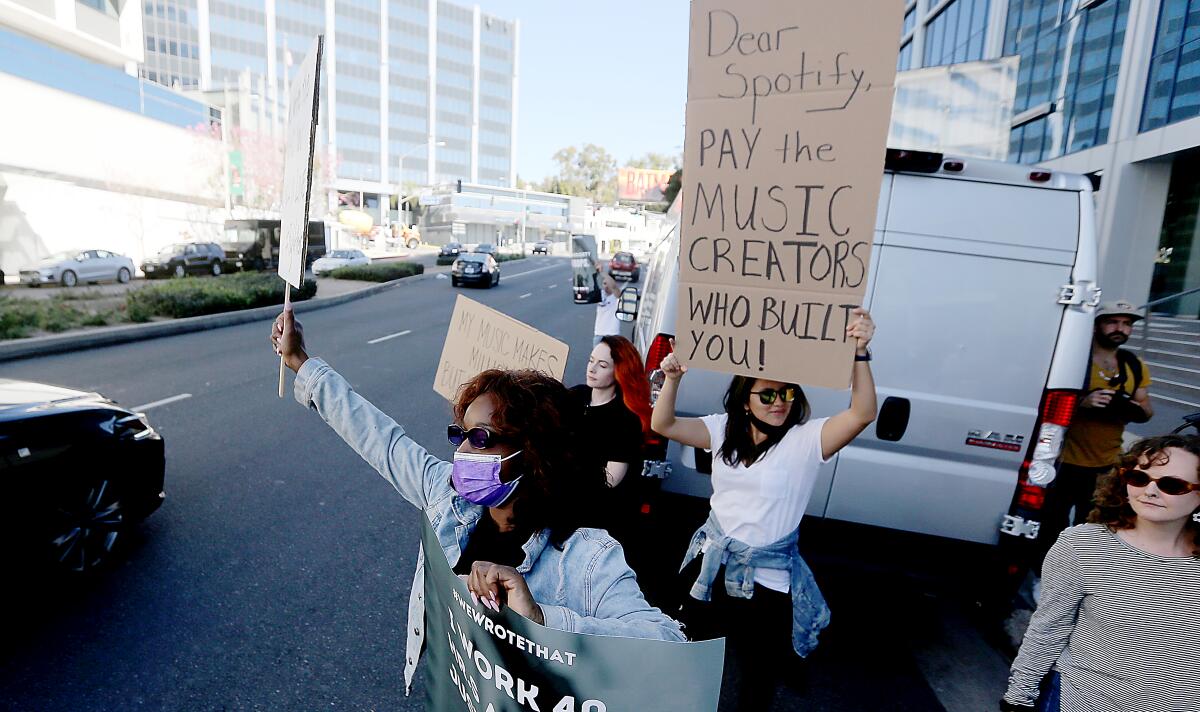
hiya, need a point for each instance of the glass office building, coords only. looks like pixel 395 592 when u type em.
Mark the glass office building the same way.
pixel 1109 88
pixel 414 92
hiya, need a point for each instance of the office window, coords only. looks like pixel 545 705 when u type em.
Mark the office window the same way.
pixel 1173 82
pixel 1069 64
pixel 904 61
pixel 149 43
pixel 957 33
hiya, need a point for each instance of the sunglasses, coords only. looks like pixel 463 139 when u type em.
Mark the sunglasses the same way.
pixel 767 396
pixel 1166 485
pixel 480 438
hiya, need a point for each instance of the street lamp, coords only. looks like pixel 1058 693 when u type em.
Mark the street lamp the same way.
pixel 400 172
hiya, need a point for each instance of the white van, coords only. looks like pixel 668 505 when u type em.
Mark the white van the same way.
pixel 983 287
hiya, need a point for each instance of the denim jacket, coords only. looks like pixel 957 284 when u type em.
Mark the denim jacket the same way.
pixel 809 612
pixel 585 588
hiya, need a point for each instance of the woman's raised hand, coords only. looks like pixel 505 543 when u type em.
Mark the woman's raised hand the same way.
pixel 862 329
pixel 670 365
pixel 494 585
pixel 287 338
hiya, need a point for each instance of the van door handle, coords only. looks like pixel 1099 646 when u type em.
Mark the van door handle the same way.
pixel 893 418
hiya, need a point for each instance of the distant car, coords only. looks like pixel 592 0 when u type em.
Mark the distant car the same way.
pixel 624 266
pixel 541 247
pixel 485 248
pixel 80 470
pixel 184 258
pixel 475 268
pixel 339 258
pixel 449 252
pixel 71 268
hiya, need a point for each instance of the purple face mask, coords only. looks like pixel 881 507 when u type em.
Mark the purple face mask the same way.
pixel 476 478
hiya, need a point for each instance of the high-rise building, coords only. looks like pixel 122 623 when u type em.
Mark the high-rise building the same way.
pixel 1109 88
pixel 414 92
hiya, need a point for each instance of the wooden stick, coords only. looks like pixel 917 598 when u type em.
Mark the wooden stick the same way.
pixel 287 304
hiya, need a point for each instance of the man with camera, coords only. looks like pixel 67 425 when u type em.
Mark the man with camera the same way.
pixel 1116 395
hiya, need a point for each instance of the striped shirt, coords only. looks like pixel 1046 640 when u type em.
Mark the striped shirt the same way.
pixel 1121 626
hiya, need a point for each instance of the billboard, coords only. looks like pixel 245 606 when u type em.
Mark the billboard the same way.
pixel 644 184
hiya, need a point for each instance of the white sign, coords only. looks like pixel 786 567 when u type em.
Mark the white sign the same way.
pixel 429 199
pixel 297 164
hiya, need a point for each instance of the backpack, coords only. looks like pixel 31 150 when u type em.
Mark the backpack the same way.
pixel 1128 359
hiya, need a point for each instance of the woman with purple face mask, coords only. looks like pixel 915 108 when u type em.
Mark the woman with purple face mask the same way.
pixel 508 511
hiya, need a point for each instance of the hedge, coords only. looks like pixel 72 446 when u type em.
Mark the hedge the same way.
pixel 378 272
pixel 505 257
pixel 21 317
pixel 196 296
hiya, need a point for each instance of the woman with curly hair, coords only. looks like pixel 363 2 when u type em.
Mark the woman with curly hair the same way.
pixel 1117 627
pixel 508 510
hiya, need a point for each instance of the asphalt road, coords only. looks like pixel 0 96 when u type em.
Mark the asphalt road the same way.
pixel 276 575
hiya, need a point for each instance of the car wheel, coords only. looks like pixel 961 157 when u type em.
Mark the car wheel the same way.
pixel 179 271
pixel 412 243
pixel 123 275
pixel 216 269
pixel 496 281
pixel 454 281
pixel 88 526
pixel 69 279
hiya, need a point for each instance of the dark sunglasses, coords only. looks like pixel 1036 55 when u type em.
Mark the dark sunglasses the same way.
pixel 767 396
pixel 480 438
pixel 1166 485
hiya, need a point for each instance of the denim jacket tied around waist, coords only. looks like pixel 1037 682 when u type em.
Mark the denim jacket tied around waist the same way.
pixel 584 588
pixel 810 614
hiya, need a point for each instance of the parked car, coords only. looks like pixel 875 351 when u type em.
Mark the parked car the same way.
pixel 485 248
pixel 184 258
pixel 541 247
pixel 80 470
pixel 624 267
pixel 339 258
pixel 449 253
pixel 972 416
pixel 475 268
pixel 71 268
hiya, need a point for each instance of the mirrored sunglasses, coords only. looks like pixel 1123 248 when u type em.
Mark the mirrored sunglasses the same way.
pixel 480 438
pixel 767 396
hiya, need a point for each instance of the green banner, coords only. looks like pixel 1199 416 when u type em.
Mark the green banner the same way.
pixel 482 661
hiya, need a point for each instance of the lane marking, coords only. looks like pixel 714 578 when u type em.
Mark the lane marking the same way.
pixel 552 286
pixel 527 272
pixel 526 294
pixel 164 401
pixel 390 336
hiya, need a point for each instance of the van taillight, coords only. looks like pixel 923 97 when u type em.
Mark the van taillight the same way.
pixel 1054 417
pixel 899 159
pixel 1039 176
pixel 659 348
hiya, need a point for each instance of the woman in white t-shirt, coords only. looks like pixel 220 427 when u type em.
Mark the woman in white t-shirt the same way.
pixel 607 323
pixel 750 584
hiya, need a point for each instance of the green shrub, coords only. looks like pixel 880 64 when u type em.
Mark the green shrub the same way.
pixel 22 317
pixel 378 272
pixel 196 296
pixel 503 257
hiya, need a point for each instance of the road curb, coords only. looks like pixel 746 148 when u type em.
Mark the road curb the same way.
pixel 110 336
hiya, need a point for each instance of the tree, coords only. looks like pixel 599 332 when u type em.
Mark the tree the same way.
pixel 673 186
pixel 589 171
pixel 656 161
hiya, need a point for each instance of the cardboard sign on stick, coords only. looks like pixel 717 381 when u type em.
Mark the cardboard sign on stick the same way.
pixel 297 164
pixel 481 338
pixel 787 119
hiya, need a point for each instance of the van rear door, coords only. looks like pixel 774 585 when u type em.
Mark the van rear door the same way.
pixel 964 287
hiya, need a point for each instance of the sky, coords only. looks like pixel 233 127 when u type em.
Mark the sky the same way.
pixel 612 73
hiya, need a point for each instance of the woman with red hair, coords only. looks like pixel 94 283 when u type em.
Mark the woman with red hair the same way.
pixel 615 402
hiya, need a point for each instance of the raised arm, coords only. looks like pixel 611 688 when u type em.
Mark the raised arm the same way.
pixel 420 477
pixel 840 429
pixel 686 431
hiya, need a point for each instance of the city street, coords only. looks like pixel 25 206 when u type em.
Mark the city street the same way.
pixel 276 575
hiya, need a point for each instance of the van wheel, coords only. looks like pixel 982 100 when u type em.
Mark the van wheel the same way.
pixel 69 279
pixel 412 243
pixel 216 269
pixel 179 271
pixel 123 275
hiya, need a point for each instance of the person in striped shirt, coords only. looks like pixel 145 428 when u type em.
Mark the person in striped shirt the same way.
pixel 1117 627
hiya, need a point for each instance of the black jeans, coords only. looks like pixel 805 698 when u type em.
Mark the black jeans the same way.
pixel 1075 487
pixel 758 639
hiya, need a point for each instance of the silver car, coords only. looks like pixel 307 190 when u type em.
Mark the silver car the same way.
pixel 339 258
pixel 71 268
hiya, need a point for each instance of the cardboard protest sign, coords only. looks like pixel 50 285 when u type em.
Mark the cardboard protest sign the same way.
pixel 787 118
pixel 480 660
pixel 481 338
pixel 297 164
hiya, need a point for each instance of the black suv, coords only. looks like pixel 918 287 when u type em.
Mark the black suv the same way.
pixel 449 253
pixel 184 258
